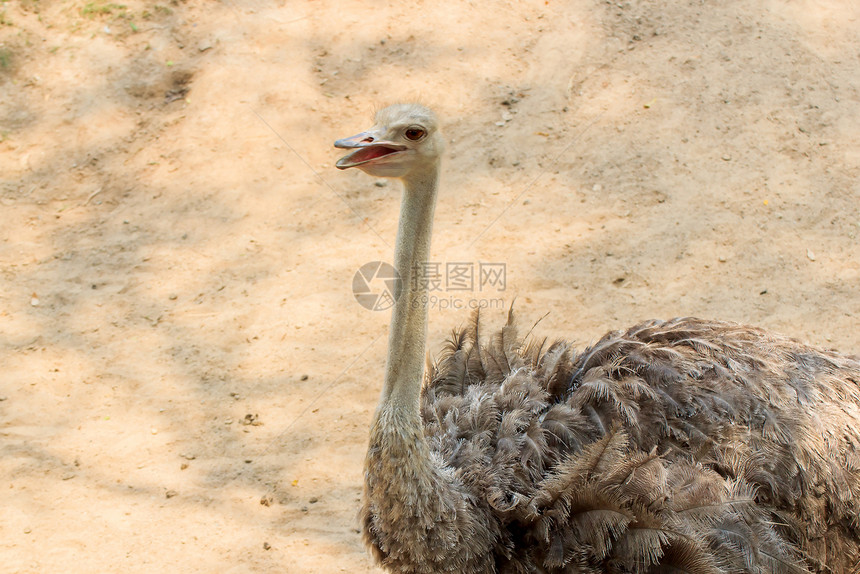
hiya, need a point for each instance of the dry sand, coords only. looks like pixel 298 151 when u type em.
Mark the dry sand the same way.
pixel 178 336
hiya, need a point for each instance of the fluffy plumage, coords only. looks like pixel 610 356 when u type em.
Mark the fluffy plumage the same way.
pixel 683 446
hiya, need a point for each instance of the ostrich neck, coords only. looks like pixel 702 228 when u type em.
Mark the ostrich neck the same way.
pixel 416 513
pixel 408 332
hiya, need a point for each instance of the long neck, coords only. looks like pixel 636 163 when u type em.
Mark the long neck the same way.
pixel 413 506
pixel 408 333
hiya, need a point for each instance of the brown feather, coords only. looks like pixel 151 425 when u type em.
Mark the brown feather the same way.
pixel 680 446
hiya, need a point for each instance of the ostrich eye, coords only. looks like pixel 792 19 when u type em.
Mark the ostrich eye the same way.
pixel 414 134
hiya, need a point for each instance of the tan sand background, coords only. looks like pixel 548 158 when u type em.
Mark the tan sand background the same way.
pixel 178 337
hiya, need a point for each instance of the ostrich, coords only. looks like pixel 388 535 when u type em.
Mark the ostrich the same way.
pixel 674 446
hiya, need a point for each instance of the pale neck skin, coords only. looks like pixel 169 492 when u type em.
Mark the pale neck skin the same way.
pixel 404 370
pixel 412 502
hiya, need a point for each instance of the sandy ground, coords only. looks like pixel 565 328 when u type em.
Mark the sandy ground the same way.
pixel 187 379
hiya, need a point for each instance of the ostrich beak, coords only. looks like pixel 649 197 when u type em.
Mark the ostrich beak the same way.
pixel 367 149
pixel 358 140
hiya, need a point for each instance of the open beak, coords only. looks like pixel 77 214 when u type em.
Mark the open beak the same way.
pixel 367 149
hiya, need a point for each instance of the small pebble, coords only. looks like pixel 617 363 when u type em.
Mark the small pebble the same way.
pixel 304 377
pixel 170 493
pixel 251 419
pixel 267 546
pixel 727 157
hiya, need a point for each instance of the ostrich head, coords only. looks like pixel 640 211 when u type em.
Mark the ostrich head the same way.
pixel 404 142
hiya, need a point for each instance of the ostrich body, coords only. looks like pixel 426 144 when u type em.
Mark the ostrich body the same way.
pixel 680 446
